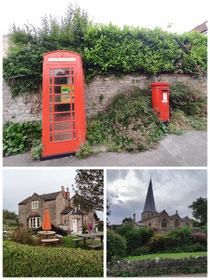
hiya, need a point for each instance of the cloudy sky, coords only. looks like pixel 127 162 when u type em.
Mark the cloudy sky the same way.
pixel 18 184
pixel 173 190
pixel 184 15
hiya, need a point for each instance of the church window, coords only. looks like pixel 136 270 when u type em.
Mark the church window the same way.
pixel 176 223
pixel 164 223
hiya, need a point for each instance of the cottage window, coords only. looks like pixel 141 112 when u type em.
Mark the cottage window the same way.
pixel 35 222
pixel 34 204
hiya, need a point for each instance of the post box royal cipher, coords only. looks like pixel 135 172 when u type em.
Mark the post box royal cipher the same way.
pixel 63 104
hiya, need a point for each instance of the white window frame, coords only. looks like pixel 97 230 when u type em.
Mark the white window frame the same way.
pixel 34 205
pixel 34 222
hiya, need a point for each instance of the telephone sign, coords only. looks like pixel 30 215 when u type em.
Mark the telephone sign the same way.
pixel 63 108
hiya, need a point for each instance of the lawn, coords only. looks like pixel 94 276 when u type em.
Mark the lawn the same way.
pixel 166 255
pixel 68 243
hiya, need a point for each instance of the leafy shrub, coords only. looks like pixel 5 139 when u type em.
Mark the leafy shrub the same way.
pixel 133 240
pixel 128 124
pixel 146 234
pixel 27 261
pixel 105 49
pixel 84 151
pixel 179 237
pixel 187 99
pixel 123 229
pixel 140 251
pixel 199 237
pixel 19 137
pixel 36 149
pixel 158 243
pixel 84 228
pixel 116 246
pixel 23 236
pixel 59 230
pixel 197 247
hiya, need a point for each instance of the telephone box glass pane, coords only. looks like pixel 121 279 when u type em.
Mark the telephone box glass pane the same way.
pixel 62 126
pixel 62 117
pixel 62 107
pixel 62 81
pixel 62 98
pixel 62 136
pixel 57 89
pixel 61 72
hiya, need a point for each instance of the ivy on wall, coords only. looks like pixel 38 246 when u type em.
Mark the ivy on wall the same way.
pixel 105 49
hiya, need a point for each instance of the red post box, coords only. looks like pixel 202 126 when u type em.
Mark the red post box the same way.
pixel 160 100
pixel 63 104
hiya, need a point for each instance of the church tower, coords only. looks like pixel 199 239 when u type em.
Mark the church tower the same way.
pixel 149 206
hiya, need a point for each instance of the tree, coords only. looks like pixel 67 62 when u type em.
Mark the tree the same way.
pixel 89 189
pixel 127 221
pixel 199 207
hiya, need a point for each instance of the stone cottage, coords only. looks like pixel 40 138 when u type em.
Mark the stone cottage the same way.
pixel 160 221
pixel 64 213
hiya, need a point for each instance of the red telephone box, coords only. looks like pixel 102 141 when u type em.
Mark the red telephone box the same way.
pixel 63 104
pixel 160 100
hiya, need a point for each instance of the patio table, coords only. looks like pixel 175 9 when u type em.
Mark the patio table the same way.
pixel 91 235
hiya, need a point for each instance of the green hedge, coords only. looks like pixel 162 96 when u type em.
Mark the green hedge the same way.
pixel 105 49
pixel 29 261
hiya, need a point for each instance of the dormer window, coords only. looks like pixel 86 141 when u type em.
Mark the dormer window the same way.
pixel 34 205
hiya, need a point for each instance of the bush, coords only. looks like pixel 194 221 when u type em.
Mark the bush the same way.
pixel 123 229
pixel 59 230
pixel 197 247
pixel 133 240
pixel 128 124
pixel 179 237
pixel 24 236
pixel 158 243
pixel 199 237
pixel 105 50
pixel 187 99
pixel 116 246
pixel 27 261
pixel 140 251
pixel 84 228
pixel 19 137
pixel 146 234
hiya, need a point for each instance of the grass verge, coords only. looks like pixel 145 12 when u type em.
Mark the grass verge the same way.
pixel 166 255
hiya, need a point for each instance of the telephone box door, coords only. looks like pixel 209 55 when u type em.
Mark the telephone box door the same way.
pixel 63 122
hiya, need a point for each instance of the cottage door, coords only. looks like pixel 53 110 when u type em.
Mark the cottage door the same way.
pixel 74 225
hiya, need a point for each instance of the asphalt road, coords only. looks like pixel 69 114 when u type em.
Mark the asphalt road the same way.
pixel 189 149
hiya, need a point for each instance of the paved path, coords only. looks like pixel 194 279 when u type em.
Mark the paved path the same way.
pixel 189 149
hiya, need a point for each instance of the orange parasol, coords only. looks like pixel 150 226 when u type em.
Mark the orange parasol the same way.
pixel 46 224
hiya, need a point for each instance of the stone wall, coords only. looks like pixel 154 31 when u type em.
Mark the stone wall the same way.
pixel 99 92
pixel 160 266
pixel 98 95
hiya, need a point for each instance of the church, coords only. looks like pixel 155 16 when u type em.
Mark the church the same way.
pixel 160 221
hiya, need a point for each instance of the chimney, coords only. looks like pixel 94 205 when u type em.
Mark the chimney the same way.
pixel 134 217
pixel 67 193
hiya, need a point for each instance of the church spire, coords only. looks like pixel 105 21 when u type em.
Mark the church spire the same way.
pixel 149 206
